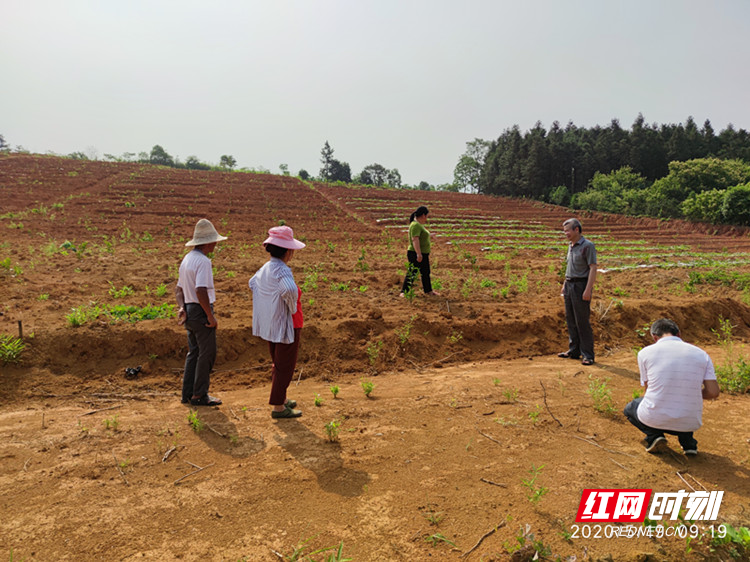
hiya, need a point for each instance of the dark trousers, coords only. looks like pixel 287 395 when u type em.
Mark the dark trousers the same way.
pixel 578 319
pixel 687 441
pixel 414 268
pixel 201 353
pixel 284 357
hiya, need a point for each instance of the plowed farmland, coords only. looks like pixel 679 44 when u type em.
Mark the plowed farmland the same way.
pixel 476 441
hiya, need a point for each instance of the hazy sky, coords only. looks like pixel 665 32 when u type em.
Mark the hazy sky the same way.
pixel 398 82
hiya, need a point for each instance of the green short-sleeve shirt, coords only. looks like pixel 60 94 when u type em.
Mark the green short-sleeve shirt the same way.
pixel 416 228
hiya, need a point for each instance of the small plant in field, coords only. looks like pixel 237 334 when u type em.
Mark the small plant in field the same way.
pixel 404 332
pixel 112 423
pixel 736 541
pixel 124 464
pixel 637 393
pixel 335 390
pixel 317 400
pixel 602 396
pixel 643 330
pixel 119 293
pixel 363 288
pixel 453 403
pixel 455 337
pixel 433 517
pixel 534 414
pixel 373 351
pixel 331 247
pixel 511 395
pixel 367 386
pixel 496 381
pixel 540 550
pixel 409 294
pixel 332 430
pixel 10 349
pixel 82 428
pixel 43 297
pixel 734 375
pixel 565 533
pixel 161 290
pixel 361 264
pixel 438 538
pixel 195 422
pixel 340 286
pixel 535 492
pixel 504 422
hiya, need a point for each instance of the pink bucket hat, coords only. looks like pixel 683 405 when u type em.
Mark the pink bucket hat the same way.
pixel 283 236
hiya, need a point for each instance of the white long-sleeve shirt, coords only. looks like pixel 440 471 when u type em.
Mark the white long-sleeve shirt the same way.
pixel 274 301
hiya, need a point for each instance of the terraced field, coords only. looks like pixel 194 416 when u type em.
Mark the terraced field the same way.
pixel 470 398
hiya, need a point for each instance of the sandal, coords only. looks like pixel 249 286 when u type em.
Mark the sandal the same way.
pixel 287 412
pixel 567 355
pixel 587 361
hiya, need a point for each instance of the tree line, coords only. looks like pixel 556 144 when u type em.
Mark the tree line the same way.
pixel 663 170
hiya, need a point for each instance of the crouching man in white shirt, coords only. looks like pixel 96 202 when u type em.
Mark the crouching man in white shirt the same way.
pixel 677 377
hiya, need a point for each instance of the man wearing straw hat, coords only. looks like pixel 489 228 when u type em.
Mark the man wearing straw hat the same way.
pixel 195 296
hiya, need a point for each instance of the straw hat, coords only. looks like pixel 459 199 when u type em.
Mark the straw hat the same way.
pixel 283 237
pixel 205 233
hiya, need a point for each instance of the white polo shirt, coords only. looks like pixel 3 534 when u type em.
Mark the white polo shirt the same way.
pixel 675 372
pixel 195 271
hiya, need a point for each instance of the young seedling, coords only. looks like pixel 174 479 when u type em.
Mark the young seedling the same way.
pixel 195 422
pixel 437 538
pixel 534 414
pixel 335 390
pixel 317 400
pixel 367 387
pixel 601 395
pixel 332 430
pixel 535 492
pixel 373 351
pixel 511 395
pixel 112 423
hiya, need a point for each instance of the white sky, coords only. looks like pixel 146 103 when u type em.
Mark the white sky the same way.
pixel 403 83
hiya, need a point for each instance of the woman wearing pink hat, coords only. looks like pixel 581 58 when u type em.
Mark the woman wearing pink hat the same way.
pixel 277 315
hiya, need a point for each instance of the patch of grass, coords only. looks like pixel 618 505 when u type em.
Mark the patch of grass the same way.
pixel 82 314
pixel 438 538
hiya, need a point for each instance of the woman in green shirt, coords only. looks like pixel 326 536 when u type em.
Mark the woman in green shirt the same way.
pixel 418 253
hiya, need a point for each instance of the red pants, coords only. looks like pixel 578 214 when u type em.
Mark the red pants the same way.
pixel 284 357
